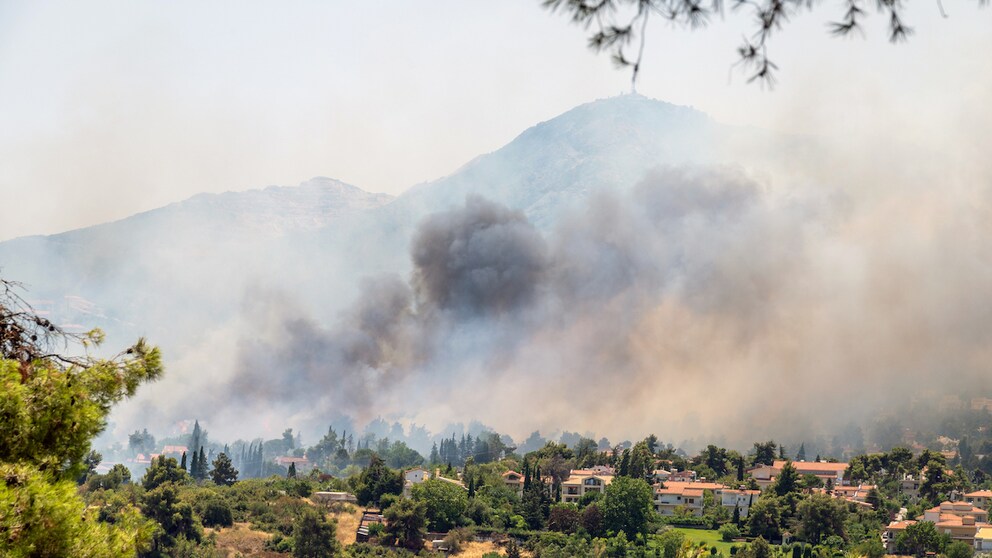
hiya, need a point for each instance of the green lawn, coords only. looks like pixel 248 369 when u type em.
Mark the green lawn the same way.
pixel 711 538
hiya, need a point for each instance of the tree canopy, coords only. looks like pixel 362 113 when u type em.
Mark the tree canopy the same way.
pixel 621 25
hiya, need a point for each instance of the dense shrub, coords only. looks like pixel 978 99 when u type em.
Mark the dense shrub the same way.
pixel 216 513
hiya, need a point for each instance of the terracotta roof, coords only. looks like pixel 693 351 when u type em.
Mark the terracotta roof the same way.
pixel 688 488
pixel 979 494
pixel 900 525
pixel 815 466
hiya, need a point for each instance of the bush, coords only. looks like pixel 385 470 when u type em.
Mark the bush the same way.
pixel 455 538
pixel 733 550
pixel 376 530
pixel 217 513
pixel 729 532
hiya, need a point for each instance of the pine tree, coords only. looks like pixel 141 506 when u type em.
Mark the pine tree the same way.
pixel 435 456
pixel 801 454
pixel 224 471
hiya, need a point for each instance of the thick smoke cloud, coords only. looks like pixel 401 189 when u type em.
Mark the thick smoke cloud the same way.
pixel 702 303
pixel 493 306
pixel 483 259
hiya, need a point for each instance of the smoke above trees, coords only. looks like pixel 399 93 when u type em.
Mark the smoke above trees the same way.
pixel 700 303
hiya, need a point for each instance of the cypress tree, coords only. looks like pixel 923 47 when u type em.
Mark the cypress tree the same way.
pixel 292 471
pixel 182 463
pixel 201 467
pixel 624 464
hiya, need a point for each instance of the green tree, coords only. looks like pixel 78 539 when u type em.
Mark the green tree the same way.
pixel 592 519
pixel 314 536
pixel 626 505
pixel 216 512
pixel 671 542
pixel 619 26
pixel 406 523
pixel 959 549
pixel 921 537
pixel 764 452
pixel 377 479
pixel 787 480
pixel 935 482
pixel 42 517
pixel 760 549
pixel 223 472
pixel 175 518
pixel 51 406
pixel 201 466
pixel 563 518
pixel 445 502
pixel 821 516
pixel 291 474
pixel 162 470
pixel 764 518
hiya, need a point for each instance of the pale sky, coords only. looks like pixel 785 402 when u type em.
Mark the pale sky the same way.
pixel 111 108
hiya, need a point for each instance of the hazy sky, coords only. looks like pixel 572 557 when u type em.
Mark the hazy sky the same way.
pixel 110 108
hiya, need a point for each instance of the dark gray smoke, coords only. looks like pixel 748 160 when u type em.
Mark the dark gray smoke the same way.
pixel 481 259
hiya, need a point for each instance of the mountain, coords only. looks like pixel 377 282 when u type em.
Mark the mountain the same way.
pixel 200 251
pixel 554 165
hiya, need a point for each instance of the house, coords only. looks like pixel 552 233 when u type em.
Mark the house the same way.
pixel 661 475
pixel 765 475
pixel 959 520
pixel 514 481
pixel 891 532
pixel 581 482
pixel 689 495
pixel 854 494
pixel 956 509
pixel 174 451
pixel 682 476
pixel 741 499
pixel 983 539
pixel 414 476
pixel 980 498
pixel 910 486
